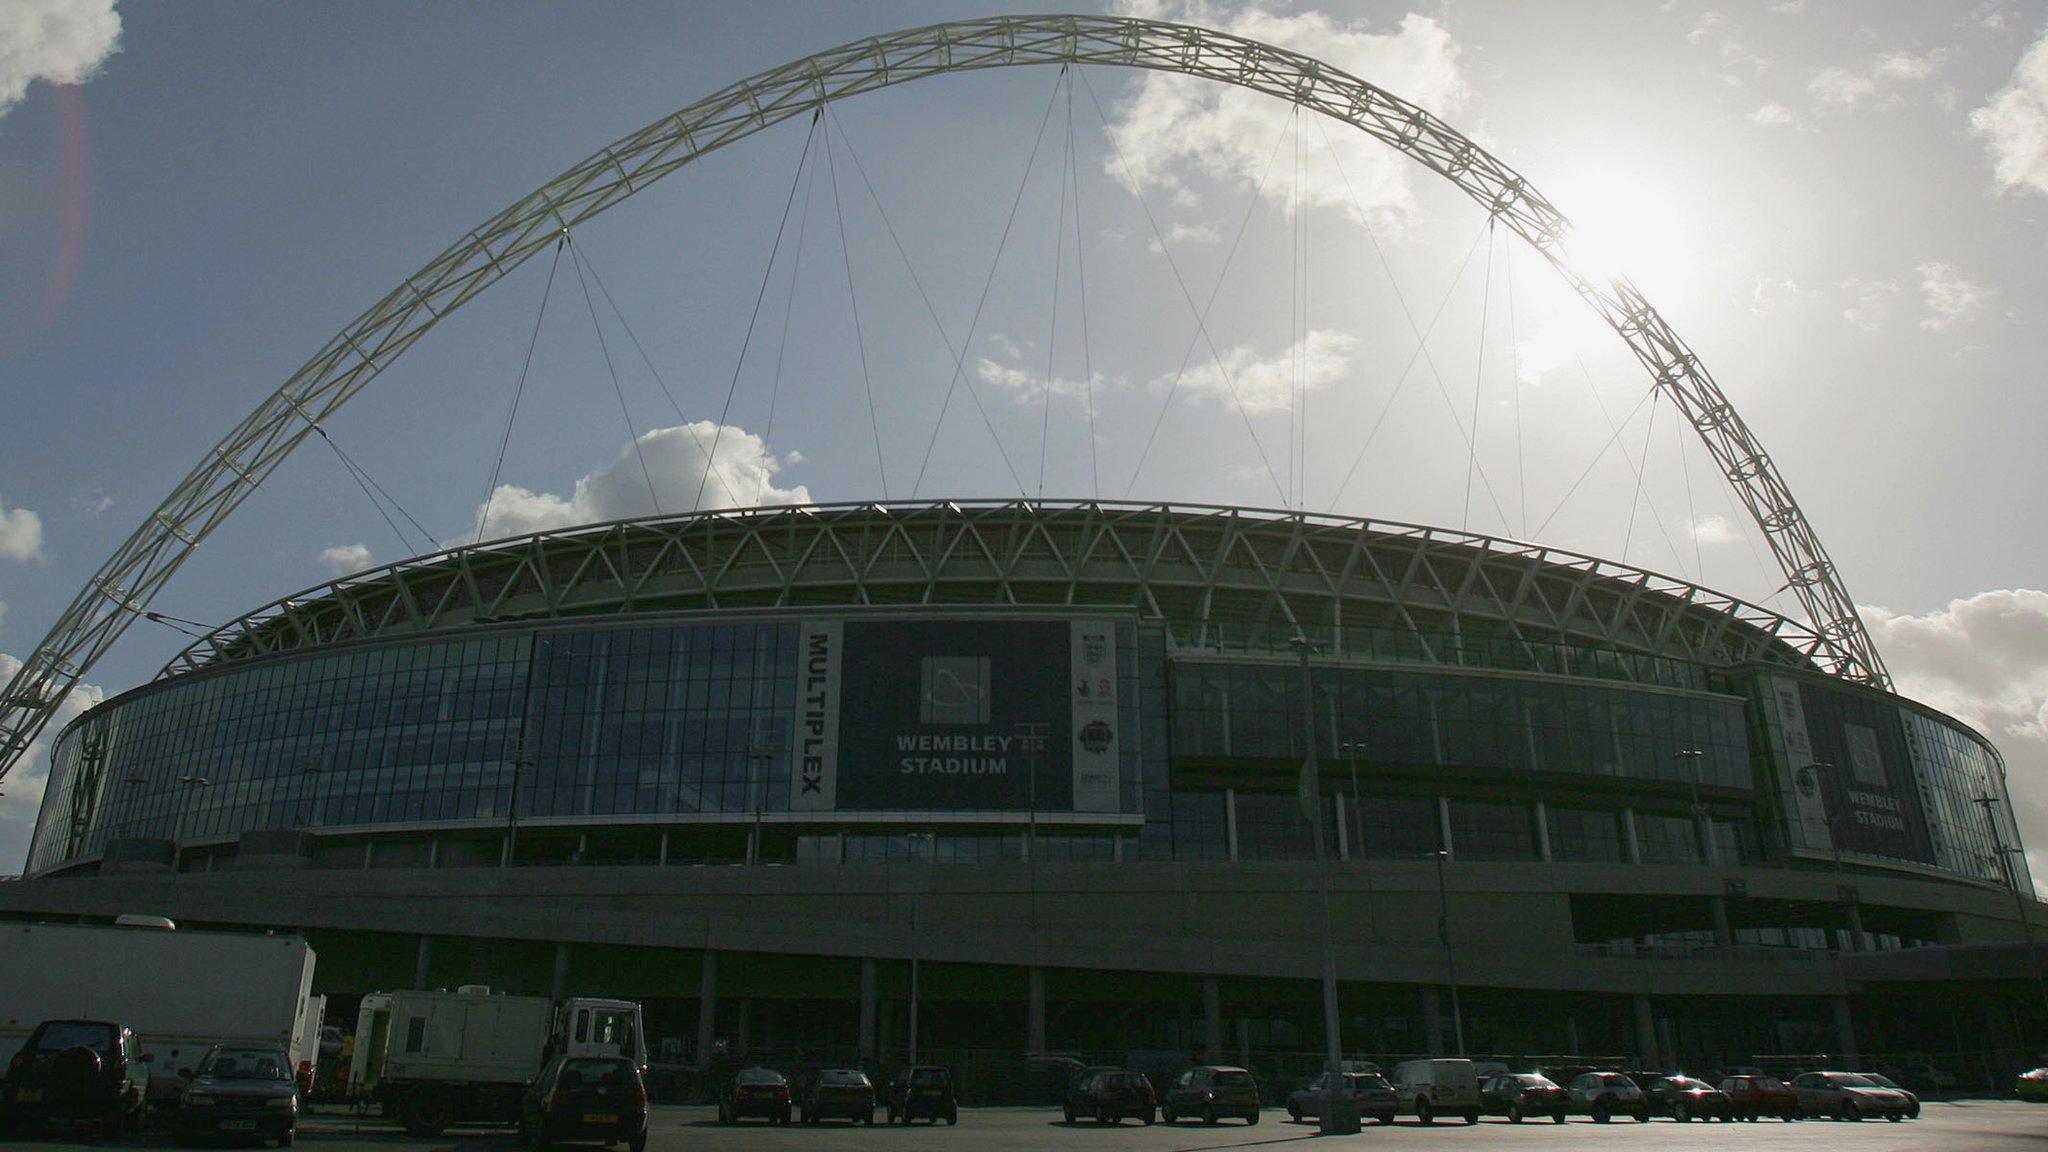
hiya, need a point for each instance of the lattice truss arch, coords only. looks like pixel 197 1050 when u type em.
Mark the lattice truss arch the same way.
pixel 1217 576
pixel 124 585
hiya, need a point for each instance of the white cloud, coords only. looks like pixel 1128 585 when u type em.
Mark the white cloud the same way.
pixel 1027 386
pixel 1183 234
pixel 56 41
pixel 1770 293
pixel 1713 529
pixel 23 784
pixel 21 534
pixel 744 476
pixel 1842 89
pixel 1773 115
pixel 1950 298
pixel 2014 125
pixel 1984 660
pixel 1267 384
pixel 1869 302
pixel 1175 128
pixel 347 559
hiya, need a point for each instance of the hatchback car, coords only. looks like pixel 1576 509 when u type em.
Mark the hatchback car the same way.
pixel 926 1092
pixel 842 1093
pixel 1912 1098
pixel 77 1072
pixel 1751 1097
pixel 2031 1084
pixel 1212 1092
pixel 1605 1095
pixel 596 1098
pixel 1519 1095
pixel 1369 1091
pixel 756 1093
pixel 1850 1096
pixel 1685 1098
pixel 1109 1097
pixel 240 1090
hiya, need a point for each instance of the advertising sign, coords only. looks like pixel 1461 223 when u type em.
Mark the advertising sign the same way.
pixel 940 715
pixel 1873 805
pixel 1808 811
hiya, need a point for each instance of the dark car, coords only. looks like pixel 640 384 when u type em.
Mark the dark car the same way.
pixel 1107 1097
pixel 77 1072
pixel 926 1092
pixel 1212 1092
pixel 240 1090
pixel 595 1098
pixel 1519 1095
pixel 1753 1096
pixel 1370 1091
pixel 1686 1098
pixel 1912 1098
pixel 760 1093
pixel 839 1092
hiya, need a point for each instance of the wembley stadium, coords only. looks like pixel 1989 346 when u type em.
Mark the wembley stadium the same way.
pixel 748 765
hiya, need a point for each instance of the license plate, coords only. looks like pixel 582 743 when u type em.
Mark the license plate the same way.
pixel 238 1125
pixel 600 1117
pixel 28 1095
pixel 927 1093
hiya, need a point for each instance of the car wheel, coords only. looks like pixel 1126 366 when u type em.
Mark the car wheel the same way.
pixel 1557 1117
pixel 1068 1112
pixel 1423 1112
pixel 1602 1111
pixel 1104 1115
pixel 1385 1117
pixel 638 1143
pixel 1895 1117
pixel 1679 1113
pixel 1146 1116
pixel 1514 1113
pixel 1850 1112
pixel 1209 1115
pixel 952 1117
pixel 1251 1117
pixel 284 1139
pixel 1166 1113
pixel 1471 1117
pixel 1642 1115
pixel 1294 1113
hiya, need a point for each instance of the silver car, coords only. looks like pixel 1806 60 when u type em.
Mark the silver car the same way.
pixel 1851 1096
pixel 1605 1095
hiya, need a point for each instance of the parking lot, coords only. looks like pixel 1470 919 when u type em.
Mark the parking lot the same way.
pixel 1967 1126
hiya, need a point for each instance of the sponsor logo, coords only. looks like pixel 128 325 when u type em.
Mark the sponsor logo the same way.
pixel 1097 736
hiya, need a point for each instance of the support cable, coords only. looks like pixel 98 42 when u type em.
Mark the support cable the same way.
pixel 1294 308
pixel 1201 312
pixel 796 267
pixel 860 339
pixel 1478 379
pixel 604 349
pixel 1515 384
pixel 532 342
pixel 1692 511
pixel 1656 516
pixel 1059 253
pixel 1649 428
pixel 1614 437
pixel 747 341
pixel 176 624
pixel 373 490
pixel 967 344
pixel 1081 278
pixel 659 381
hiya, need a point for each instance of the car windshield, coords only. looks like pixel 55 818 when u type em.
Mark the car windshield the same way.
pixel 1368 1080
pixel 245 1064
pixel 610 1073
pixel 1686 1083
pixel 1853 1080
pixel 927 1077
pixel 842 1078
pixel 1616 1080
pixel 1231 1079
pixel 1532 1080
pixel 1880 1080
pixel 76 1034
pixel 1122 1080
pixel 760 1076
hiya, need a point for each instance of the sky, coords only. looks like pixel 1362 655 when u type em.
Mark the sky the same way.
pixel 1843 208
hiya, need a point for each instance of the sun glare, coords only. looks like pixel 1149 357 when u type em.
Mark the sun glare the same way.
pixel 1622 228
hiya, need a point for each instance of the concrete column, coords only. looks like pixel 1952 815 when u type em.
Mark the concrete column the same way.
pixel 1443 819
pixel 1853 913
pixel 369 854
pixel 1571 1034
pixel 662 856
pixel 1212 1019
pixel 1230 820
pixel 1723 934
pixel 1845 1034
pixel 868 979
pixel 1542 832
pixel 707 1009
pixel 1343 831
pixel 1034 1012
pixel 433 851
pixel 561 977
pixel 1646 1032
pixel 425 961
pixel 1433 1019
pixel 745 1031
pixel 1628 830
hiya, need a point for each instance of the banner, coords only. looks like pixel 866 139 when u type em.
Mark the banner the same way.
pixel 814 785
pixel 1096 750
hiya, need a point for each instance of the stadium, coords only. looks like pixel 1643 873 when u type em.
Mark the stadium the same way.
pixel 875 780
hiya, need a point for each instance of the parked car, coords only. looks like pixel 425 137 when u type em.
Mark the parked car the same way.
pixel 1441 1087
pixel 1912 1098
pixel 1605 1095
pixel 924 1091
pixel 1518 1095
pixel 1850 1096
pixel 760 1093
pixel 1108 1097
pixel 1210 1093
pixel 1685 1098
pixel 1751 1096
pixel 599 1098
pixel 78 1072
pixel 1375 1098
pixel 2031 1084
pixel 240 1090
pixel 839 1092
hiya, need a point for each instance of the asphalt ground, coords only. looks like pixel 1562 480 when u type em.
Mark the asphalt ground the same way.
pixel 1964 1126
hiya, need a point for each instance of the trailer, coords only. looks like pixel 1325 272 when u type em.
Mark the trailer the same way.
pixel 181 991
pixel 438 1058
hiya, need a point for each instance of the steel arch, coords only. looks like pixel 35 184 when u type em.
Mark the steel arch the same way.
pixel 123 586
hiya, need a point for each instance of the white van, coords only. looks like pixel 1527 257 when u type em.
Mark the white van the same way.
pixel 1433 1088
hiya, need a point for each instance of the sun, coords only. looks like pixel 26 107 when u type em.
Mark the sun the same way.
pixel 1624 227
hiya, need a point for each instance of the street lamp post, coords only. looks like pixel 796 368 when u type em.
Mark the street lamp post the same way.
pixel 191 781
pixel 1336 1113
pixel 1702 827
pixel 1351 749
pixel 2019 900
pixel 1443 935
pixel 520 759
